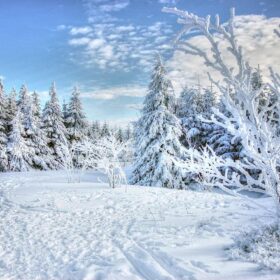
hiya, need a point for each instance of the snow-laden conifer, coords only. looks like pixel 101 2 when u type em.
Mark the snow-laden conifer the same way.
pixel 53 127
pixel 3 130
pixel 75 121
pixel 157 136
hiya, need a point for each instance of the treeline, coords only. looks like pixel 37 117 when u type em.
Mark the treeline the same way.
pixel 31 138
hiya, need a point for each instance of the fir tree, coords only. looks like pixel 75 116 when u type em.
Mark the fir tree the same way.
pixel 95 130
pixel 54 129
pixel 17 148
pixel 23 99
pixel 3 130
pixel 105 130
pixel 64 111
pixel 128 134
pixel 157 137
pixel 75 120
pixel 120 135
pixel 11 109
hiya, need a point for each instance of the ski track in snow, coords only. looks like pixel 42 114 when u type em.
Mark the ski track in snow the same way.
pixel 56 230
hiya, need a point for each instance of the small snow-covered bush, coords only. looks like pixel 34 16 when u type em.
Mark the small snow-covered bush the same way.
pixel 261 246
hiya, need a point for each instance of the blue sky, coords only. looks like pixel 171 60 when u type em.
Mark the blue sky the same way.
pixel 105 47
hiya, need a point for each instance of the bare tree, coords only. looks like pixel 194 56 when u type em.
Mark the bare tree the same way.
pixel 103 155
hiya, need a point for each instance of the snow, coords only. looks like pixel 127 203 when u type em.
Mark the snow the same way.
pixel 61 230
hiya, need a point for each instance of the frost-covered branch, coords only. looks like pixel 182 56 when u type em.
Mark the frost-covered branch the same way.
pixel 103 155
pixel 254 120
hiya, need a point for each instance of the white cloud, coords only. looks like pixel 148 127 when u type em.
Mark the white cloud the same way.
pixel 255 34
pixel 61 27
pixel 101 10
pixel 96 43
pixel 170 2
pixel 115 92
pixel 124 28
pixel 114 7
pixel 80 30
pixel 79 41
pixel 2 78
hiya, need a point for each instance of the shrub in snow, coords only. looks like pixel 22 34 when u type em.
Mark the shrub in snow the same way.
pixel 261 246
pixel 252 118
pixel 158 133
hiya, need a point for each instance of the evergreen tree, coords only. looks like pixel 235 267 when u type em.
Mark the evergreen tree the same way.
pixel 105 130
pixel 64 111
pixel 120 135
pixel 193 104
pixel 75 120
pixel 36 105
pixel 128 134
pixel 23 99
pixel 11 109
pixel 54 129
pixel 42 158
pixel 157 137
pixel 3 130
pixel 17 148
pixel 95 131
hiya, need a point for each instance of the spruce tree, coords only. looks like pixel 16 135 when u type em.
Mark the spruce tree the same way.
pixel 105 130
pixel 95 131
pixel 3 130
pixel 54 129
pixel 75 120
pixel 11 109
pixel 17 149
pixel 157 141
pixel 120 135
pixel 42 158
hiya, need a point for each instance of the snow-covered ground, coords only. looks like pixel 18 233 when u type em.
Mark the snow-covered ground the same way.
pixel 61 230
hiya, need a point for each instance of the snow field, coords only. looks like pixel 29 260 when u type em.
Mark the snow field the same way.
pixel 60 230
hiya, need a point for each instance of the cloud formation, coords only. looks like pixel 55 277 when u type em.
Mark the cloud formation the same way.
pixel 253 32
pixel 115 92
pixel 101 10
pixel 115 46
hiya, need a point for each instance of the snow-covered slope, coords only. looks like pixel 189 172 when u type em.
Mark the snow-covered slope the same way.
pixel 61 230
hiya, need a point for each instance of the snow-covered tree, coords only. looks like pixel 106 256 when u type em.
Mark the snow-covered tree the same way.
pixel 64 111
pixel 11 109
pixel 104 155
pixel 19 153
pixel 23 99
pixel 193 104
pixel 36 105
pixel 43 158
pixel 54 129
pixel 128 133
pixel 157 133
pixel 3 130
pixel 75 120
pixel 95 131
pixel 105 130
pixel 120 135
pixel 252 123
